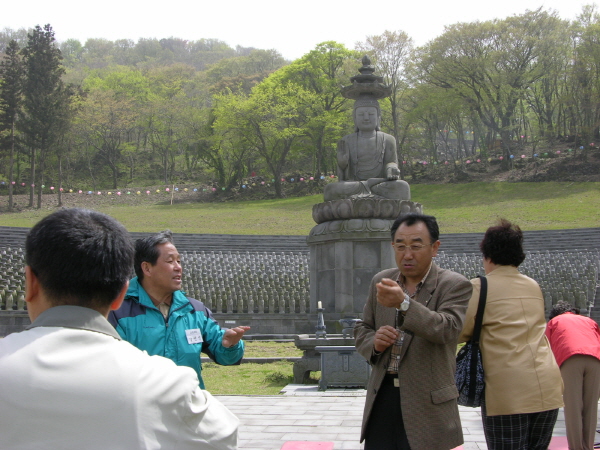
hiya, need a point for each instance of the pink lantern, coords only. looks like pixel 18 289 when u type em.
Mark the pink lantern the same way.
pixel 167 189
pixel 214 189
pixel 80 191
pixel 501 158
pixel 478 160
pixel 446 162
pixel 311 178
pixel 148 192
pixel 301 179
pixel 119 193
pixel 282 180
pixel 99 193
pixel 262 182
pixel 468 161
pixel 522 156
pixel 61 189
pixel 332 176
pixel 558 152
pixel 13 182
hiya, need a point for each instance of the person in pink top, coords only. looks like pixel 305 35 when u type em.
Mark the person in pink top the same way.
pixel 575 342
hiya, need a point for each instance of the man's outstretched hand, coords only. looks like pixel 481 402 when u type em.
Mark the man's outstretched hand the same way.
pixel 233 335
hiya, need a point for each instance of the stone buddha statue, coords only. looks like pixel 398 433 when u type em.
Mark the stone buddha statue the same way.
pixel 369 194
pixel 367 159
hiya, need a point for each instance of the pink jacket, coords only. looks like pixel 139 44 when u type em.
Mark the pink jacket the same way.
pixel 571 334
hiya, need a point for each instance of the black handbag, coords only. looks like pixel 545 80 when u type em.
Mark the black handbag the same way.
pixel 469 368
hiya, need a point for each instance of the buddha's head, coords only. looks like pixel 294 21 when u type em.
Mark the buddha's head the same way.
pixel 366 114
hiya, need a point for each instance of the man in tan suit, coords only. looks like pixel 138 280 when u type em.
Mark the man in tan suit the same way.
pixel 409 332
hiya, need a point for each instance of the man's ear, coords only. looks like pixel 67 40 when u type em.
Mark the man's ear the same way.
pixel 116 304
pixel 32 285
pixel 435 247
pixel 34 295
pixel 146 266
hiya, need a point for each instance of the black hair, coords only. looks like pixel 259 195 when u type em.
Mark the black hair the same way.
pixel 146 250
pixel 412 218
pixel 503 244
pixel 562 307
pixel 80 257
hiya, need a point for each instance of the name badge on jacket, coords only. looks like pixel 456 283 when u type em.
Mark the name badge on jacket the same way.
pixel 193 336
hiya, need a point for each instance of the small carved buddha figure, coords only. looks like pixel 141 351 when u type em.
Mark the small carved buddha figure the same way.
pixel 367 159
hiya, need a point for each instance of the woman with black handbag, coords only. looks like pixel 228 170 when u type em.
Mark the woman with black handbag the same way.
pixel 523 386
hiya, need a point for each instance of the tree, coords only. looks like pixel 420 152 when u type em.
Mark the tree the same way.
pixel 583 87
pixel 72 52
pixel 320 74
pixel 226 152
pixel 491 65
pixel 7 35
pixel 45 101
pixel 98 53
pixel 242 73
pixel 269 121
pixel 103 123
pixel 11 73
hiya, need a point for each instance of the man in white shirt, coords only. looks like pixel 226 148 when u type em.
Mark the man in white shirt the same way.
pixel 69 381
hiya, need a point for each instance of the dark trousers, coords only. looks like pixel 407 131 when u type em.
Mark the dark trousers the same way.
pixel 385 429
pixel 531 431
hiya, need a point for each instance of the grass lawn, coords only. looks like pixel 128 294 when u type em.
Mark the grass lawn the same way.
pixel 247 378
pixel 459 208
pixel 254 379
pixel 269 349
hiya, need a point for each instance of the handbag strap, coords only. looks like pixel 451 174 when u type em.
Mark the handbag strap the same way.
pixel 480 309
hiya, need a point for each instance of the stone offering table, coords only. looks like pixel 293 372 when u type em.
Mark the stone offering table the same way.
pixel 342 367
pixel 311 359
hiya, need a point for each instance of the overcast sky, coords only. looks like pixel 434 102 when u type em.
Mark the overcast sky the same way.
pixel 293 28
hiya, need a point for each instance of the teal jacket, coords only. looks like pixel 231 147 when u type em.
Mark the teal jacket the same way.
pixel 139 322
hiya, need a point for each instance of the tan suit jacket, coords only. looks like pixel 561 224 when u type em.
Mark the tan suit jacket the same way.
pixel 428 359
pixel 521 374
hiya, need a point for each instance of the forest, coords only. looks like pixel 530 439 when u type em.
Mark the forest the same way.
pixel 116 114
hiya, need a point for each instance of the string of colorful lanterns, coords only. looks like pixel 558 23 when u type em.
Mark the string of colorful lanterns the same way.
pixel 167 190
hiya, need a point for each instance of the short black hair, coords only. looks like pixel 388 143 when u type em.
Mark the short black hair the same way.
pixel 412 218
pixel 503 244
pixel 80 257
pixel 146 251
pixel 562 307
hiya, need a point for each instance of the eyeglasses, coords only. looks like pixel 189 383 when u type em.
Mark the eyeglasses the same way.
pixel 415 248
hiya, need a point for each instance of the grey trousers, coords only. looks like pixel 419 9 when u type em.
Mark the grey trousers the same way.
pixel 581 378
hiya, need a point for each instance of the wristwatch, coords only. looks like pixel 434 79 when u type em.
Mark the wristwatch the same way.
pixel 405 304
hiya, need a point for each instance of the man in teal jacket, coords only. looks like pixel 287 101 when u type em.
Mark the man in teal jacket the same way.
pixel 156 316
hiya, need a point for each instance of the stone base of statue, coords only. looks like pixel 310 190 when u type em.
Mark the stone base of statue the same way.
pixel 349 245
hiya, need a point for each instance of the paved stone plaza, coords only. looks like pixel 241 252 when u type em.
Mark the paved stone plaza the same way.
pixel 303 413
